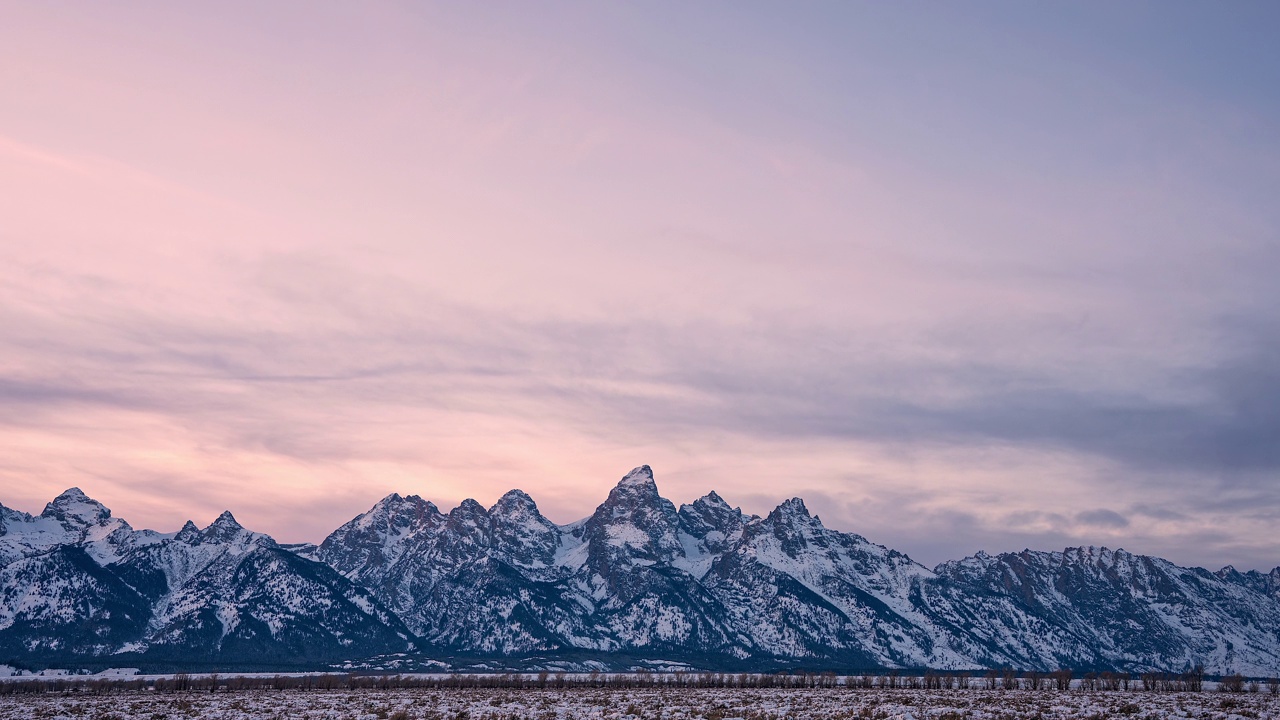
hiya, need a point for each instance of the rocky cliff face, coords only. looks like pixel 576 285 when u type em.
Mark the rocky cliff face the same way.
pixel 640 579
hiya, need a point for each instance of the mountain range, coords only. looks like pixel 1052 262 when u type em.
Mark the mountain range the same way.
pixel 639 583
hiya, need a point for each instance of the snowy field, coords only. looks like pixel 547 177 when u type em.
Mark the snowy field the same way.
pixel 664 704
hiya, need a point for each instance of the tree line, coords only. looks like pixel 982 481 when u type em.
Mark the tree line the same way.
pixel 994 679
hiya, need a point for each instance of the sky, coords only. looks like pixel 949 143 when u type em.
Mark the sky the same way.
pixel 964 276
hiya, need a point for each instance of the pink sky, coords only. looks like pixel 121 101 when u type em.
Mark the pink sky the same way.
pixel 955 291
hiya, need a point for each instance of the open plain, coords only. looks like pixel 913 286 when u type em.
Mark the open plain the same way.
pixel 635 704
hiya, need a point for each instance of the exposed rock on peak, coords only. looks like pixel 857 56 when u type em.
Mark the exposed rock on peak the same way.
pixel 73 506
pixel 227 531
pixel 469 508
pixel 712 499
pixel 9 515
pixel 791 511
pixel 396 506
pixel 71 494
pixel 642 475
pixel 392 516
pixel 635 498
pixel 226 518
pixel 514 502
pixel 636 486
pixel 1265 583
pixel 225 523
pixel 710 521
pixel 188 532
pixel 634 523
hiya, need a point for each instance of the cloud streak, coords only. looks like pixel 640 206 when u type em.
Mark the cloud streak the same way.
pixel 957 293
pixel 355 391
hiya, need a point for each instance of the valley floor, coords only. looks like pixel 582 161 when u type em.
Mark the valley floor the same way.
pixel 643 704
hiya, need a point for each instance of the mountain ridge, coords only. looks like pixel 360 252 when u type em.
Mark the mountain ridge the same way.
pixel 703 583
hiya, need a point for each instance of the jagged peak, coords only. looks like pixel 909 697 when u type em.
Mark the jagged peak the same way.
pixel 514 501
pixel 8 512
pixel 977 561
pixel 516 494
pixel 639 477
pixel 635 491
pixel 225 521
pixel 793 508
pixel 468 508
pixel 1096 553
pixel 189 530
pixel 635 485
pixel 393 510
pixel 226 529
pixel 1082 551
pixel 712 510
pixel 712 499
pixel 74 504
pixel 396 501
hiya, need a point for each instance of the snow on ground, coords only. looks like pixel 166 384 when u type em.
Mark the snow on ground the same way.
pixel 638 704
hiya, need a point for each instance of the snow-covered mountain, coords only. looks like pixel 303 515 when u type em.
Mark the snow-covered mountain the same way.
pixel 640 579
pixel 709 585
pixel 1108 608
pixel 77 582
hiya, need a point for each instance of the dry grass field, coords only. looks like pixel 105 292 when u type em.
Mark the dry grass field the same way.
pixel 636 704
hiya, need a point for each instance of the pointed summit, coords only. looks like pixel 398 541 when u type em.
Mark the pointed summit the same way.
pixel 227 530
pixel 709 513
pixel 635 486
pixel 395 510
pixel 468 512
pixel 635 522
pixel 522 536
pixel 75 507
pixel 515 503
pixel 188 532
pixel 516 495
pixel 712 499
pixel 225 521
pixel 392 504
pixel 224 529
pixel 793 508
pixel 712 522
pixel 395 502
pixel 642 475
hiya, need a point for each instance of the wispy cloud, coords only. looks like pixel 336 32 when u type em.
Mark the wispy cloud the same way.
pixel 956 292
